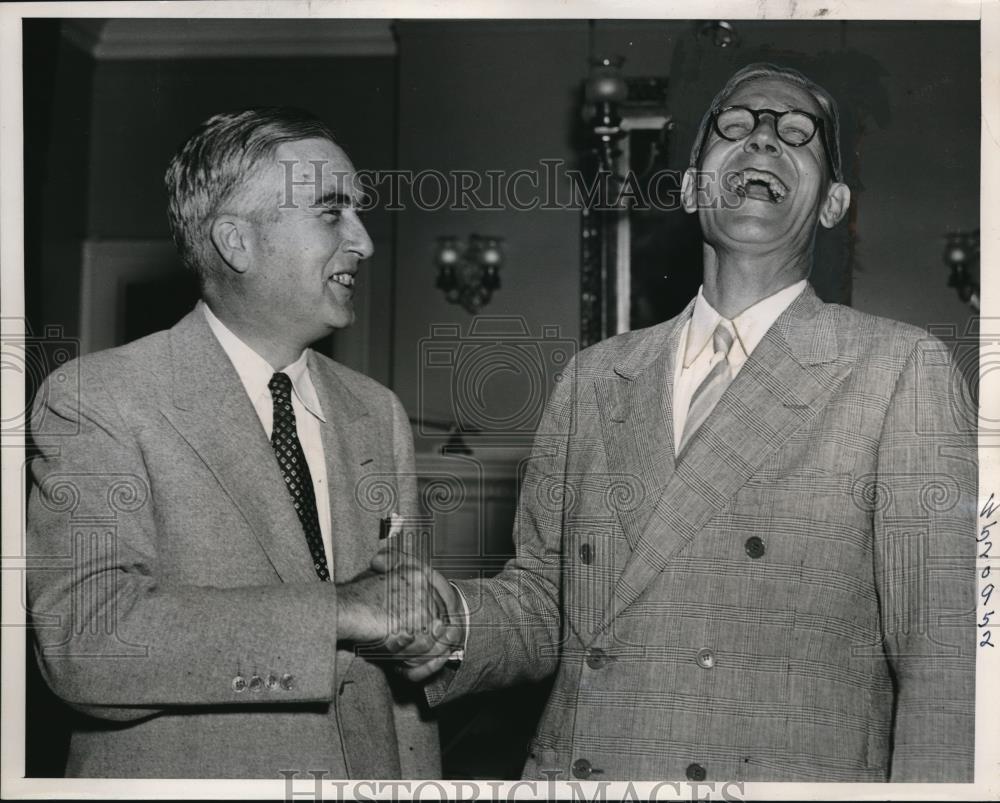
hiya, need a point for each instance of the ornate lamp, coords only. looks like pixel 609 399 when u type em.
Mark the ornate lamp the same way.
pixel 468 273
pixel 604 92
pixel 720 32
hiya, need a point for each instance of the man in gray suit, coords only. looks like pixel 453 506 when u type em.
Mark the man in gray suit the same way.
pixel 210 499
pixel 746 536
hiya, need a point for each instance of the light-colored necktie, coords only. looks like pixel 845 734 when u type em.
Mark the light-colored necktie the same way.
pixel 708 393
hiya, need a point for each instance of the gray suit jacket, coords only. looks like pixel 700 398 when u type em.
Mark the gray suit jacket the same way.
pixel 173 593
pixel 792 600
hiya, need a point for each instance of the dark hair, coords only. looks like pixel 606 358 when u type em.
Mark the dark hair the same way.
pixel 763 70
pixel 213 165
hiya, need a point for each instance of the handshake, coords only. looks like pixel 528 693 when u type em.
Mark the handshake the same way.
pixel 405 607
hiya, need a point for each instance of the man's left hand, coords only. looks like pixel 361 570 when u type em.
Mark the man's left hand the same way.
pixel 424 654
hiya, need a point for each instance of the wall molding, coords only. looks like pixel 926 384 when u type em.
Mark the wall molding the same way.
pixel 180 38
pixel 107 267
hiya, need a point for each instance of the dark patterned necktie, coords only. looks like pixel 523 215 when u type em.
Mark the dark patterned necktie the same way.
pixel 295 470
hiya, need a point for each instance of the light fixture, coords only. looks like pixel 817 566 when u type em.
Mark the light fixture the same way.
pixel 961 255
pixel 604 93
pixel 469 272
pixel 720 32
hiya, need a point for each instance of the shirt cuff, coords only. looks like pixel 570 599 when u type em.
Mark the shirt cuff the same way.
pixel 459 654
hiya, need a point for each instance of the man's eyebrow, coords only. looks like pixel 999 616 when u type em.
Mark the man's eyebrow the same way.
pixel 334 198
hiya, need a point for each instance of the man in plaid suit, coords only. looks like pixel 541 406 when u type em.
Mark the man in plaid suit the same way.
pixel 746 535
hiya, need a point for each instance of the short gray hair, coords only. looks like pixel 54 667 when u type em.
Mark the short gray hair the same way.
pixel 764 70
pixel 213 165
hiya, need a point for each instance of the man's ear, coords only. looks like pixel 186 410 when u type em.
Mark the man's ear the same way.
pixel 838 199
pixel 231 238
pixel 689 190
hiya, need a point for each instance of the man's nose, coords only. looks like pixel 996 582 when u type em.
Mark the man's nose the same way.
pixel 358 240
pixel 764 138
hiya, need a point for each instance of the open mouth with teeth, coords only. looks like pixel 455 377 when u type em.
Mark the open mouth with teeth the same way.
pixel 761 185
pixel 345 279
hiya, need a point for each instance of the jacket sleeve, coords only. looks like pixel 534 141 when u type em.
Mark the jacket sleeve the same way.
pixel 111 639
pixel 924 548
pixel 514 633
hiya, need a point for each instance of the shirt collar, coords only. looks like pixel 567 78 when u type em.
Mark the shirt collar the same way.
pixel 255 372
pixel 750 325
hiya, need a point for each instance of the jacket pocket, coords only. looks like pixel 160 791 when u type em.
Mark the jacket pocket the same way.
pixel 544 764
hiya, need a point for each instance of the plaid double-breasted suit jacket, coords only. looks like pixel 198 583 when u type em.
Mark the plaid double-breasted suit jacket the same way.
pixel 792 600
pixel 171 587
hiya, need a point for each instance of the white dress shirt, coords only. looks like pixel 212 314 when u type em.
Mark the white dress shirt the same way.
pixel 694 351
pixel 255 373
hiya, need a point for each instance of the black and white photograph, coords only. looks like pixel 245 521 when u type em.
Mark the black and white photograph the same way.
pixel 550 401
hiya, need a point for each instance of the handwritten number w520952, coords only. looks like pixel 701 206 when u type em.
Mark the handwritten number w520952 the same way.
pixel 986 592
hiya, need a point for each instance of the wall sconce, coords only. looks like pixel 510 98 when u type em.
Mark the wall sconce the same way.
pixel 468 273
pixel 961 252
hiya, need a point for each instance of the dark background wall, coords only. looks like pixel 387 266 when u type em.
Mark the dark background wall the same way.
pixel 919 170
pixel 487 96
pixel 58 86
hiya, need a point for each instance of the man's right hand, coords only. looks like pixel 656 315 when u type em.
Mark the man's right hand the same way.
pixel 423 653
pixel 376 607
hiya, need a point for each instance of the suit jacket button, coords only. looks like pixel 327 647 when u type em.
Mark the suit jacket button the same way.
pixel 256 683
pixel 582 769
pixel 271 682
pixel 597 658
pixel 695 772
pixel 754 547
pixel 287 682
pixel 239 683
pixel 706 658
pixel 586 553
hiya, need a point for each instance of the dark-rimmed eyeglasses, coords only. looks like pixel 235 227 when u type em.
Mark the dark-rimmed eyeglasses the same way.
pixel 794 127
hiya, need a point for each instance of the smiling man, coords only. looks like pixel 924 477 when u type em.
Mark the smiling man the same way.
pixel 746 536
pixel 210 630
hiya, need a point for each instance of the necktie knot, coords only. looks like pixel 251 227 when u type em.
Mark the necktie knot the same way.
pixel 708 393
pixel 280 387
pixel 722 339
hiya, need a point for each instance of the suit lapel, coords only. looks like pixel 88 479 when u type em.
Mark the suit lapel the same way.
pixel 214 415
pixel 636 405
pixel 349 444
pixel 788 378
